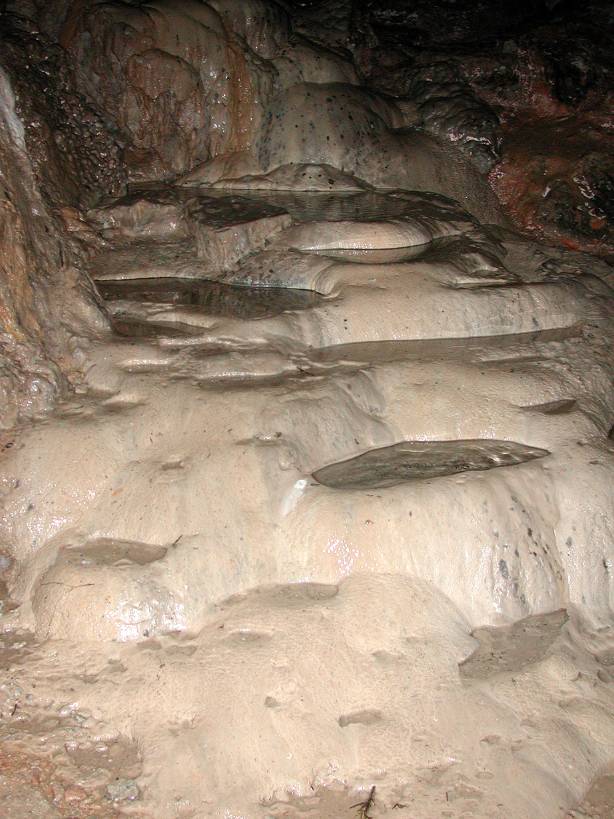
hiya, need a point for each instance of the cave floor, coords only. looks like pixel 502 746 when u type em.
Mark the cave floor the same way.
pixel 328 518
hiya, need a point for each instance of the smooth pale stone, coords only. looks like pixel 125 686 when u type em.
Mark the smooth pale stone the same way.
pixel 357 235
pixel 309 674
pixel 432 624
pixel 362 134
pixel 225 230
pixel 134 603
pixel 154 214
pixel 208 426
pixel 227 166
pixel 281 267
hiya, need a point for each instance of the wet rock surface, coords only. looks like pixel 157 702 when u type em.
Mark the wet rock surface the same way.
pixel 472 522
pixel 75 155
pixel 215 298
pixel 512 89
pixel 324 526
pixel 412 460
pixel 41 267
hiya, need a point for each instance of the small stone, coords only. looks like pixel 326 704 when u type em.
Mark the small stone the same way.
pixel 74 794
pixel 123 790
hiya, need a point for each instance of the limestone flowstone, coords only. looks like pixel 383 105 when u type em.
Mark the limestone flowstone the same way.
pixel 310 478
pixel 326 527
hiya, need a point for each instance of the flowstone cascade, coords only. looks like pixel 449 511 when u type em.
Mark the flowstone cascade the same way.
pixel 325 527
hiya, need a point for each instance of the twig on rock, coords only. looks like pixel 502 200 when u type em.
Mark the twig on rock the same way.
pixel 365 807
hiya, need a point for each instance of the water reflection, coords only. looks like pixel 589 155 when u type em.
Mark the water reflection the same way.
pixel 215 298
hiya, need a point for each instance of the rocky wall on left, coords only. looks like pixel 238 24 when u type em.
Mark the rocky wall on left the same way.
pixel 55 157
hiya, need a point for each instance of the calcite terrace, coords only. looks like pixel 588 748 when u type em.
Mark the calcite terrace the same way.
pixel 313 516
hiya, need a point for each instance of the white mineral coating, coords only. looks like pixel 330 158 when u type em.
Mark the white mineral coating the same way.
pixel 169 518
pixel 294 690
pixel 358 235
pixel 220 94
pixel 247 453
pixel 189 81
pixel 358 536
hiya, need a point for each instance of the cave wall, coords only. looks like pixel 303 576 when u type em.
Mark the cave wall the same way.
pixel 185 82
pixel 524 89
pixel 46 301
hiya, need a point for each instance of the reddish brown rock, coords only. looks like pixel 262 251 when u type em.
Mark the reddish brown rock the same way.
pixel 173 79
pixel 38 271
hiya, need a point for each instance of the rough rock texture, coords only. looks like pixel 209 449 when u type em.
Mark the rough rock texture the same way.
pixel 45 300
pixel 325 527
pixel 529 84
pixel 188 81
pixel 73 155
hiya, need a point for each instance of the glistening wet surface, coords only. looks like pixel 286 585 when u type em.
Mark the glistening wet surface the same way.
pixel 411 460
pixel 106 552
pixel 228 210
pixel 216 209
pixel 221 208
pixel 339 206
pixel 130 327
pixel 215 298
pixel 393 255
pixel 431 349
pixel 14 647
